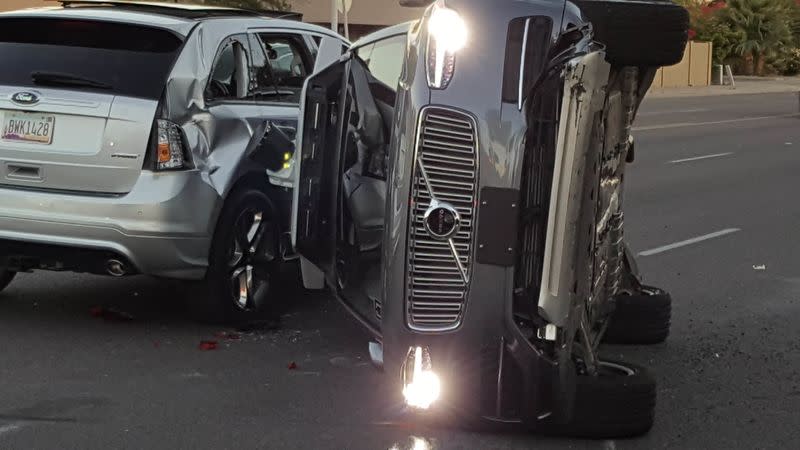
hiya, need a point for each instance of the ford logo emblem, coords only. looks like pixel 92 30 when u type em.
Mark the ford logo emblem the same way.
pixel 441 220
pixel 25 98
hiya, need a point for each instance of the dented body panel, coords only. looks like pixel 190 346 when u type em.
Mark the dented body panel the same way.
pixel 157 222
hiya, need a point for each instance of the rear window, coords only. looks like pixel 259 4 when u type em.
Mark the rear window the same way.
pixel 127 59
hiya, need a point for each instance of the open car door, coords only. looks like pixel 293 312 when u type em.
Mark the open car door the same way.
pixel 340 192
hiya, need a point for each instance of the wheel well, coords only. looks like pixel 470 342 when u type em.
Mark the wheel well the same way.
pixel 251 180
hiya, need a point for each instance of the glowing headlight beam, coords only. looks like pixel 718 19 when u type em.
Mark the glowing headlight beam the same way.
pixel 447 34
pixel 424 387
pixel 448 28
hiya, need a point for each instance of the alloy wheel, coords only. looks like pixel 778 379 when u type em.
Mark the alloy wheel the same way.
pixel 248 261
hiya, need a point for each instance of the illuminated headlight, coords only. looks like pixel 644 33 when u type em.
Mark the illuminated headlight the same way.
pixel 447 34
pixel 421 386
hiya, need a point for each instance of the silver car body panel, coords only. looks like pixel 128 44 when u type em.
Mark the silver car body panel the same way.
pixel 102 151
pixel 162 221
pixel 584 93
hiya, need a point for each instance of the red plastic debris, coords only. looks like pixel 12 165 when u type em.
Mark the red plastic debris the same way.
pixel 96 311
pixel 156 344
pixel 208 345
pixel 292 366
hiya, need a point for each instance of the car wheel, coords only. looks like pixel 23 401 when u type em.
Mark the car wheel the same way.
pixel 618 402
pixel 243 263
pixel 6 276
pixel 643 318
pixel 639 33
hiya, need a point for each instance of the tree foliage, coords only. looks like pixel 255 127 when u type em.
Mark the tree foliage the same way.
pixel 758 31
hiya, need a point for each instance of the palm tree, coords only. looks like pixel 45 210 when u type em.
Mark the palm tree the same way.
pixel 765 25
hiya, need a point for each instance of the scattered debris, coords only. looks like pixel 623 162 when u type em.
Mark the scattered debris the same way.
pixel 194 375
pixel 760 267
pixel 228 335
pixel 260 325
pixel 292 366
pixel 208 345
pixel 341 361
pixel 110 314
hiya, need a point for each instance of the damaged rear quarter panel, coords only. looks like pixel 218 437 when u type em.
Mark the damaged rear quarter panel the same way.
pixel 219 135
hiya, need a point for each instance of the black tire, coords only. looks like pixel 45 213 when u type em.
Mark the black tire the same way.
pixel 640 319
pixel 245 250
pixel 639 33
pixel 618 403
pixel 6 277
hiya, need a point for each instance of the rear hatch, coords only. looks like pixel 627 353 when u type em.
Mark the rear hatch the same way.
pixel 77 101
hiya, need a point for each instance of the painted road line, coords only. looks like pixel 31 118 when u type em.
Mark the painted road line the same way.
pixel 672 111
pixel 691 241
pixel 698 158
pixel 716 122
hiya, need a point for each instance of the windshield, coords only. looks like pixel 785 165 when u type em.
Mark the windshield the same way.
pixel 123 59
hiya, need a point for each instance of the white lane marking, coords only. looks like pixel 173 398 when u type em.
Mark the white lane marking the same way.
pixel 715 122
pixel 697 158
pixel 673 111
pixel 9 428
pixel 691 241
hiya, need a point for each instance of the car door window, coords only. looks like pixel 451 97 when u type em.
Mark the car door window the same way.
pixel 385 59
pixel 281 64
pixel 229 78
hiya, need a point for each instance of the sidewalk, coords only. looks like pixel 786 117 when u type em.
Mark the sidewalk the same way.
pixel 744 85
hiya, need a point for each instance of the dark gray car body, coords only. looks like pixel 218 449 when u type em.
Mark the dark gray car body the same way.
pixel 528 144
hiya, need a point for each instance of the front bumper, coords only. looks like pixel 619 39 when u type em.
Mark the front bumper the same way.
pixel 163 227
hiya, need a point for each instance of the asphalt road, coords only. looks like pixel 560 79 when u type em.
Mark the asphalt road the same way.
pixel 710 201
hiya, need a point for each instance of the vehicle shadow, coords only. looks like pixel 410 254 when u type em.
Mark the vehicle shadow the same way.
pixel 46 296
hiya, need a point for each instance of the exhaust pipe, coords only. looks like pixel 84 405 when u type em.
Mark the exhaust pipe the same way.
pixel 115 268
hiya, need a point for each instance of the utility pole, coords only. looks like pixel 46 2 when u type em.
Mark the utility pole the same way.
pixel 335 16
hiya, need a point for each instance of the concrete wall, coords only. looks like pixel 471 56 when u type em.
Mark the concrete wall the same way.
pixel 10 5
pixel 693 70
pixel 362 12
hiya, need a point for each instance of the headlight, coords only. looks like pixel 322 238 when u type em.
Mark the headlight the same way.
pixel 421 386
pixel 447 34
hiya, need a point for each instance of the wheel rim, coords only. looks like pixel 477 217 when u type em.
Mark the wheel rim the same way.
pixel 249 279
pixel 610 368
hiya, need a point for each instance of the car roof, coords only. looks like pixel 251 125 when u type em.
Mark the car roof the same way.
pixel 179 18
pixel 384 33
pixel 181 10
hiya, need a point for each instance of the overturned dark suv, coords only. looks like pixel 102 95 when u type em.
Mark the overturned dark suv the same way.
pixel 461 190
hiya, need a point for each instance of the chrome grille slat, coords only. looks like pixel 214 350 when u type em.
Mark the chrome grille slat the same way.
pixel 447 150
pixel 447 146
pixel 449 134
pixel 446 118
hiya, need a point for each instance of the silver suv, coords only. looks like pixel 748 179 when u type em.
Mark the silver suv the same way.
pixel 153 139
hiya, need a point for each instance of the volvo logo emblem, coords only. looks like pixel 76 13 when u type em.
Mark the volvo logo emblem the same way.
pixel 441 220
pixel 25 98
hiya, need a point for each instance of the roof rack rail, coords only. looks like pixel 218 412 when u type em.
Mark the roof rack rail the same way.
pixel 188 11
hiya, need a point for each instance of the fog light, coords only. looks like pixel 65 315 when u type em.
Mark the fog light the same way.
pixel 421 386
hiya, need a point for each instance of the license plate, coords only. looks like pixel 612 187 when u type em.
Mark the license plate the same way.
pixel 28 127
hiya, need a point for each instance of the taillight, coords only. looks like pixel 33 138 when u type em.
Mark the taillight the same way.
pixel 170 151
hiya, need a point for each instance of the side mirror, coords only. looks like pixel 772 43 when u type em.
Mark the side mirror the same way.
pixel 415 3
